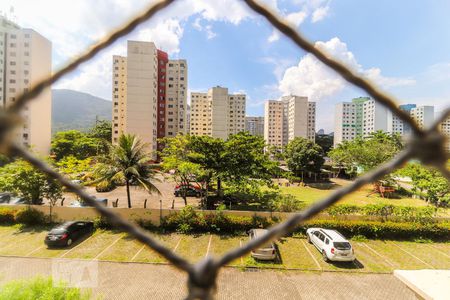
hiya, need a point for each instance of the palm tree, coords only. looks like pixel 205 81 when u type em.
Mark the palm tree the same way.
pixel 127 162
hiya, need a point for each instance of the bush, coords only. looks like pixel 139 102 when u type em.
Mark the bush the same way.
pixel 384 230
pixel 287 203
pixel 6 216
pixel 343 209
pixel 105 186
pixel 402 213
pixel 41 288
pixel 30 216
pixel 102 223
pixel 190 221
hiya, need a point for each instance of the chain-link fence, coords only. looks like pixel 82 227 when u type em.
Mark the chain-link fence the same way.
pixel 426 145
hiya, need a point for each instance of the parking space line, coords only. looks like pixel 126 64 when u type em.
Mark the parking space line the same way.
pixel 137 253
pixel 15 242
pixel 240 245
pixel 312 256
pixel 178 243
pixel 209 245
pixel 107 248
pixel 37 249
pixel 407 252
pixel 383 257
pixel 438 250
pixel 70 250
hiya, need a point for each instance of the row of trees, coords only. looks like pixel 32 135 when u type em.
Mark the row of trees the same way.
pixel 239 162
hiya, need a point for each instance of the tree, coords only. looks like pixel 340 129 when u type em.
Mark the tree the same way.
pixel 246 162
pixel 325 141
pixel 52 192
pixel 74 167
pixel 75 143
pixel 127 162
pixel 366 153
pixel 428 182
pixel 22 179
pixel 208 153
pixel 102 130
pixel 175 158
pixel 303 155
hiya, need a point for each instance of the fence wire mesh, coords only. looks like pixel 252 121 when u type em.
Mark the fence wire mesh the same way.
pixel 426 145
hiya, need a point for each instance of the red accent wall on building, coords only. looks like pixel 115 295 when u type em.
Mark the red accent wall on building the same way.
pixel 163 59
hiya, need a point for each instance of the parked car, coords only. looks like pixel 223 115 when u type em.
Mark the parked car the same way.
pixel 77 203
pixel 265 252
pixel 67 233
pixel 191 191
pixel 5 197
pixel 333 245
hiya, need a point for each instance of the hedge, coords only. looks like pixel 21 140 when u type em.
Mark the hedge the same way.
pixel 27 216
pixel 6 216
pixel 402 213
pixel 190 221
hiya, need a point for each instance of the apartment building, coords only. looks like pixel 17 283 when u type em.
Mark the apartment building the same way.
pixel 359 108
pixel 423 115
pixel 445 128
pixel 345 122
pixel 255 125
pixel 288 118
pixel 407 109
pixel 375 117
pixel 176 97
pixel 25 58
pixel 149 94
pixel 217 113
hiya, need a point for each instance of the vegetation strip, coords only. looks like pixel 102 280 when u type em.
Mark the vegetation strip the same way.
pixel 75 247
pixel 107 248
pixel 315 260
pixel 383 257
pixel 209 245
pixel 137 253
pixel 407 252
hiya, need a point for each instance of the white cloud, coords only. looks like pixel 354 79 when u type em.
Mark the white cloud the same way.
pixel 210 34
pixel 316 9
pixel 320 14
pixel 313 79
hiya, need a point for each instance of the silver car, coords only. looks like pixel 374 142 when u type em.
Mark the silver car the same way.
pixel 265 252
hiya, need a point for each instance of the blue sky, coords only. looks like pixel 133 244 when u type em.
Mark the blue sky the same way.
pixel 403 45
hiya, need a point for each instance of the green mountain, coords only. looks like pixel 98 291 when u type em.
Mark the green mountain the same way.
pixel 77 110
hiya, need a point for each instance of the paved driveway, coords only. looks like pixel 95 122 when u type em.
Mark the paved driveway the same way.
pixel 145 281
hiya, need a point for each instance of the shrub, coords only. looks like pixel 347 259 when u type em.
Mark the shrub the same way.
pixel 30 216
pixel 6 216
pixel 343 209
pixel 287 203
pixel 188 221
pixel 102 223
pixel 384 230
pixel 41 288
pixel 104 186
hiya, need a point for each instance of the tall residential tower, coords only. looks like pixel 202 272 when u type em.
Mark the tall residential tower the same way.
pixel 26 58
pixel 217 113
pixel 149 94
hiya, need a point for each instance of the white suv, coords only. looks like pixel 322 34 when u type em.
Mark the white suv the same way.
pixel 331 244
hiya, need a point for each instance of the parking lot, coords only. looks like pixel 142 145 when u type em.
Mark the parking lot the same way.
pixel 373 256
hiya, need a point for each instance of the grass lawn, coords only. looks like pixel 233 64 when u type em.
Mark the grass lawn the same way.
pixel 193 247
pixel 220 244
pixel 310 194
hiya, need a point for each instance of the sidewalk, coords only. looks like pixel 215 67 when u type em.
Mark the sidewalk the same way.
pixel 146 281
